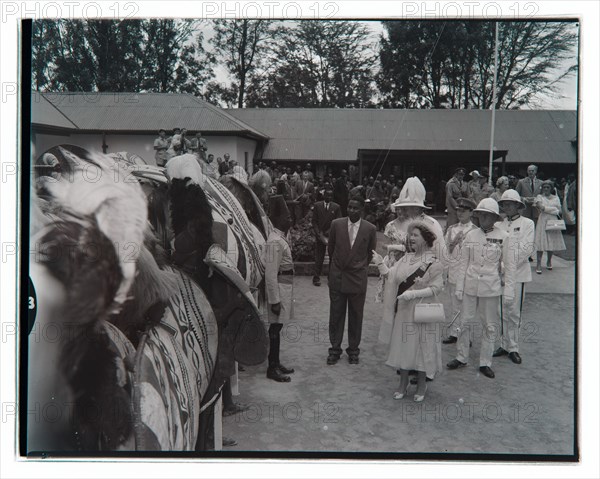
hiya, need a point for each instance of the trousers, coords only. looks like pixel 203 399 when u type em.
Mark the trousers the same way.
pixel 511 319
pixel 488 310
pixel 457 323
pixel 339 302
pixel 319 257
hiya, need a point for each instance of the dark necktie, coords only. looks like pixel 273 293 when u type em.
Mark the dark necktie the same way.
pixel 532 186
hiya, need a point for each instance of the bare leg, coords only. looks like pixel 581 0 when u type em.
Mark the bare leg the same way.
pixel 403 381
pixel 421 383
pixel 539 261
pixel 549 260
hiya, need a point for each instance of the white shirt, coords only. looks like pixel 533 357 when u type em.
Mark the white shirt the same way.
pixel 521 233
pixel 353 230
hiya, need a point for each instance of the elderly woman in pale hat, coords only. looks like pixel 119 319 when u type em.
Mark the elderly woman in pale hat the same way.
pixel 548 204
pixel 412 346
pixel 502 184
pixel 521 231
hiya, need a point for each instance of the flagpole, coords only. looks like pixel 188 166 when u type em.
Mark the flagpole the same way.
pixel 491 162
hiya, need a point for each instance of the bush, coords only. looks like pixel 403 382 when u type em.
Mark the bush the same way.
pixel 302 239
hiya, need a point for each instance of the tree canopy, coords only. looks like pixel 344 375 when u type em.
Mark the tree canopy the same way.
pixel 308 63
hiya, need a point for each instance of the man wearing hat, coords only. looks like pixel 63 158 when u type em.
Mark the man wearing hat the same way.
pixel 521 232
pixel 455 236
pixel 484 189
pixel 485 257
pixel 455 188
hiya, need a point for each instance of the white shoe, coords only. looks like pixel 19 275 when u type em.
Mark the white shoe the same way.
pixel 419 398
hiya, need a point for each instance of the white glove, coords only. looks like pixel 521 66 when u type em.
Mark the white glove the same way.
pixel 377 258
pixel 412 294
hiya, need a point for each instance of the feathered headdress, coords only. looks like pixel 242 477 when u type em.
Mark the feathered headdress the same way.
pixel 186 166
pixel 413 194
pixel 95 185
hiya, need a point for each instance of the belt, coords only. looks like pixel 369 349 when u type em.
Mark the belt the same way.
pixel 287 272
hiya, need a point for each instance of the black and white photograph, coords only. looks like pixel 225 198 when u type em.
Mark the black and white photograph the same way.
pixel 301 234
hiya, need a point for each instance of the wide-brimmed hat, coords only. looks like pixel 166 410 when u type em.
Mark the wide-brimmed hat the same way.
pixel 511 195
pixel 412 194
pixel 460 168
pixel 474 174
pixel 422 224
pixel 488 205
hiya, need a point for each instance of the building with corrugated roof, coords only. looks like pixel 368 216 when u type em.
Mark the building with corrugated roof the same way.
pixel 426 143
pixel 112 122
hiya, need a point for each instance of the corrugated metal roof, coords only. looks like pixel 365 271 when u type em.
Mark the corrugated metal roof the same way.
pixel 43 113
pixel 109 112
pixel 337 134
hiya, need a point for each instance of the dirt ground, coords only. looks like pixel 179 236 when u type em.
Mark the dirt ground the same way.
pixel 526 409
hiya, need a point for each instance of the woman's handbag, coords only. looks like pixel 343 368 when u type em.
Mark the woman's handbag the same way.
pixel 556 225
pixel 429 312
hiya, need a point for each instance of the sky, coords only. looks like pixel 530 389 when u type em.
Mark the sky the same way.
pixel 565 99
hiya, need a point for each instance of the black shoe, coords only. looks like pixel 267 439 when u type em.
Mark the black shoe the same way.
pixel 500 352
pixel 276 375
pixel 416 381
pixel 487 372
pixel 515 357
pixel 316 281
pixel 455 364
pixel 228 442
pixel 285 370
pixel 353 359
pixel 450 340
pixel 332 359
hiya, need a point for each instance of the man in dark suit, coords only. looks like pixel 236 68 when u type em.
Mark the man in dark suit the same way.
pixel 324 213
pixel 340 191
pixel 529 188
pixel 351 244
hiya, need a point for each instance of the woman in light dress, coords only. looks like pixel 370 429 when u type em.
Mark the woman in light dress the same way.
pixel 549 207
pixel 418 275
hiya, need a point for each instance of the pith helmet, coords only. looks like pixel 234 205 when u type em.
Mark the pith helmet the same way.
pixel 511 195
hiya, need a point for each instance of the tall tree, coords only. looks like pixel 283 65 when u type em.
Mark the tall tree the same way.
pixel 128 55
pixel 240 44
pixel 319 64
pixel 450 64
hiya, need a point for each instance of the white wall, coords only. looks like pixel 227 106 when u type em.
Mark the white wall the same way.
pixel 143 145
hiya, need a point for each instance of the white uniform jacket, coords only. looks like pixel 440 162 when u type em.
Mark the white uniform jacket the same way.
pixel 484 258
pixel 452 253
pixel 521 245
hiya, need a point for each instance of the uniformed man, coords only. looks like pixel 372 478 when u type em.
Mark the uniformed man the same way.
pixel 485 265
pixel 521 233
pixel 455 188
pixel 455 235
